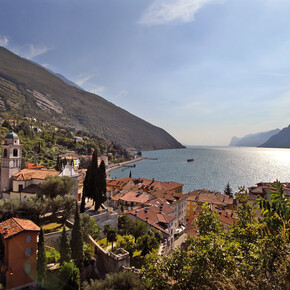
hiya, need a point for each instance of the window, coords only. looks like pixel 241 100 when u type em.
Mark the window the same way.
pixel 5 153
pixel 15 152
pixel 27 268
pixel 27 252
pixel 28 238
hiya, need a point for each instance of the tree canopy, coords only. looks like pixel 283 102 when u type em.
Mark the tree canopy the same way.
pixel 251 254
pixel 54 186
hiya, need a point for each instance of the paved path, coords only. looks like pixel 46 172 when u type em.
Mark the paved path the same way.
pixel 180 240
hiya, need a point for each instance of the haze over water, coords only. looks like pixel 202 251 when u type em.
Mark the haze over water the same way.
pixel 213 167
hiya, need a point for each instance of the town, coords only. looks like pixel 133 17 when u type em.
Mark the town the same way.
pixel 113 224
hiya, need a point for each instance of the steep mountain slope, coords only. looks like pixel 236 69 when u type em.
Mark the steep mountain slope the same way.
pixel 280 140
pixel 28 89
pixel 253 140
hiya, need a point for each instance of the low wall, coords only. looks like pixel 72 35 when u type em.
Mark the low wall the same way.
pixel 105 218
pixel 53 239
pixel 111 263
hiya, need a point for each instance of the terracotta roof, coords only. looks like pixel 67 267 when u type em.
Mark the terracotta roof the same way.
pixel 28 174
pixel 172 198
pixel 211 197
pixel 154 216
pixel 14 226
pixel 144 184
pixel 133 196
pixel 159 202
pixel 226 216
pixel 33 166
pixel 117 196
pixel 261 189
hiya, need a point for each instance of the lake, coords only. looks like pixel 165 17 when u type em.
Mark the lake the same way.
pixel 213 167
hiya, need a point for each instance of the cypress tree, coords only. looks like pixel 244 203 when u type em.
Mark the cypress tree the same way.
pixel 130 174
pixel 228 191
pixel 58 164
pixel 90 182
pixel 95 186
pixel 41 258
pixel 77 241
pixel 64 248
pixel 83 203
pixel 101 196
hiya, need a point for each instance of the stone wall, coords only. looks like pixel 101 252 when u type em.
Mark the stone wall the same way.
pixel 53 239
pixel 105 218
pixel 110 262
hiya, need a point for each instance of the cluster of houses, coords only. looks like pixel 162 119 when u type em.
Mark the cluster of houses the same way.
pixel 163 206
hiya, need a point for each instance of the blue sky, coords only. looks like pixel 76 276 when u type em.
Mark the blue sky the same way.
pixel 204 70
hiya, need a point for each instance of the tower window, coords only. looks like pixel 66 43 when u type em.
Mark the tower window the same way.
pixel 5 153
pixel 15 152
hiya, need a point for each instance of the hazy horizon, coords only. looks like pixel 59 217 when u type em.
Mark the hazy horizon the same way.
pixel 204 70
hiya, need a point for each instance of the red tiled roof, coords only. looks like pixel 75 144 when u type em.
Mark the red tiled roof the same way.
pixel 161 218
pixel 28 174
pixel 33 166
pixel 14 226
pixel 172 198
pixel 210 197
pixel 133 196
pixel 154 216
pixel 144 184
pixel 226 216
pixel 261 189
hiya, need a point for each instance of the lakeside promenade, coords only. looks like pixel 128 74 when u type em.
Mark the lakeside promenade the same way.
pixel 119 165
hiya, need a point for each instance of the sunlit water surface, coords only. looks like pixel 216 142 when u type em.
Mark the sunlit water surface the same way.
pixel 213 167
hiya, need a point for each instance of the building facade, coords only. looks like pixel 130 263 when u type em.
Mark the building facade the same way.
pixel 11 160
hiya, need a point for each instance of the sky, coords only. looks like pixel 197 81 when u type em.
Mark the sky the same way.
pixel 203 70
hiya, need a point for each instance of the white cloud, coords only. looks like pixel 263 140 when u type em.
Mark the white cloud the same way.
pixel 98 90
pixel 166 11
pixel 30 51
pixel 121 94
pixel 82 79
pixel 3 40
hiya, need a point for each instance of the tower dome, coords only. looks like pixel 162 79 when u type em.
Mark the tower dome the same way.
pixel 11 135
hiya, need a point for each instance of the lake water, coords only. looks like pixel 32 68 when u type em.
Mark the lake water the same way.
pixel 213 167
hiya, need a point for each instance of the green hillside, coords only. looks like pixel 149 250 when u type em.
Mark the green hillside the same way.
pixel 28 89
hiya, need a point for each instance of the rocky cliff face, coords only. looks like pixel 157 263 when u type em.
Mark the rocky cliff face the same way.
pixel 280 140
pixel 28 89
pixel 253 140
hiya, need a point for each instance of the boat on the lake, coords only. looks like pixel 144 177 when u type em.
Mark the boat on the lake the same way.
pixel 190 160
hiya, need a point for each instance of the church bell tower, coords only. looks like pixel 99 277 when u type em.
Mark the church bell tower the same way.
pixel 11 160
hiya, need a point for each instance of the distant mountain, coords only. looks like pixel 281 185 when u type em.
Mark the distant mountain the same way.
pixel 63 78
pixel 280 140
pixel 31 90
pixel 71 83
pixel 253 140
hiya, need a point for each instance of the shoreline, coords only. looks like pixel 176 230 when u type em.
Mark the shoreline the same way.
pixel 119 165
